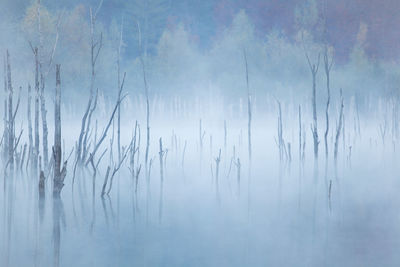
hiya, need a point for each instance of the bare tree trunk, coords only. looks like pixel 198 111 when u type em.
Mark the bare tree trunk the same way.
pixel 11 124
pixel 328 66
pixel 146 90
pixel 201 138
pixel 45 130
pixel 95 48
pixel 281 142
pixel 97 145
pixel 217 162
pixel 314 127
pixel 161 154
pixel 85 146
pixel 248 103
pixel 238 165
pixel 59 175
pixel 300 133
pixel 5 133
pixel 30 151
pixel 339 127
pixel 225 135
pixel 37 85
pixel 119 95
pixel 133 151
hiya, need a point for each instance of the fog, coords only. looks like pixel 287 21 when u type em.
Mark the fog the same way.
pixel 138 134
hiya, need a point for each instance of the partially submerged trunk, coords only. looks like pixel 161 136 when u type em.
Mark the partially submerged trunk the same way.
pixel 59 175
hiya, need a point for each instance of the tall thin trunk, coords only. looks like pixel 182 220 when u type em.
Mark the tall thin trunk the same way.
pixel 119 95
pixel 95 47
pixel 11 130
pixel 314 70
pixel 30 151
pixel 300 133
pixel 161 154
pixel 5 133
pixel 146 90
pixel 328 66
pixel 45 130
pixel 57 130
pixel 37 85
pixel 249 112
pixel 59 175
pixel 339 127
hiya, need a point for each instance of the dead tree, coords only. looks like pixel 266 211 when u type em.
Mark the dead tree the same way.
pixel 119 94
pixel 42 75
pixel 217 162
pixel 59 174
pixel 161 155
pixel 30 150
pixel 249 109
pixel 45 130
pixel 37 85
pixel 327 66
pixel 339 126
pixel 85 146
pixel 5 132
pixel 133 151
pixel 238 165
pixel 225 135
pixel 95 47
pixel 300 134
pixel 103 136
pixel 115 170
pixel 281 142
pixel 146 91
pixel 183 156
pixel 201 137
pixel 314 128
pixel 11 122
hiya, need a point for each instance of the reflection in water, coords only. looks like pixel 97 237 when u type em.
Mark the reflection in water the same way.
pixel 58 218
pixel 297 213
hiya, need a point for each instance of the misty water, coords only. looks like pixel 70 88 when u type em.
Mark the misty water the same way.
pixel 280 213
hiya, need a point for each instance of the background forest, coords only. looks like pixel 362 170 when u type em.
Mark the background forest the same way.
pixel 203 40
